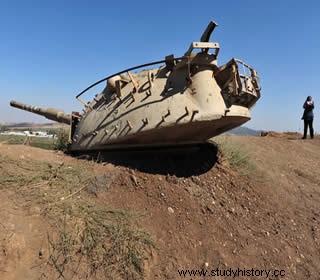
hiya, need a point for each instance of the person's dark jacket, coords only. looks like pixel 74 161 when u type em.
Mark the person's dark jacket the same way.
pixel 308 111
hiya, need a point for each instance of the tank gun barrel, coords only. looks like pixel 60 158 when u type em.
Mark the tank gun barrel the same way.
pixel 49 113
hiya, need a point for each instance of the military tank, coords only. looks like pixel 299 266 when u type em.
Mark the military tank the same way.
pixel 184 101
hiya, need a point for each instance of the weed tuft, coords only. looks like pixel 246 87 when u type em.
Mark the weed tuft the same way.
pixel 62 140
pixel 236 155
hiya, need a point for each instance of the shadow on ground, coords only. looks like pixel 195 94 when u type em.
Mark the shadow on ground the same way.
pixel 183 161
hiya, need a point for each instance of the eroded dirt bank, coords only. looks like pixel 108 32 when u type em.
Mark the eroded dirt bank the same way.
pixel 220 218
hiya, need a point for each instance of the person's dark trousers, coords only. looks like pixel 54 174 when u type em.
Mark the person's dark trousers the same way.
pixel 308 123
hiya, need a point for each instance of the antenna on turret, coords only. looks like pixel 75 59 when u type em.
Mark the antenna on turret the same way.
pixel 207 33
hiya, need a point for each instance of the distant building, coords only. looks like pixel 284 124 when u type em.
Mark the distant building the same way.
pixel 28 133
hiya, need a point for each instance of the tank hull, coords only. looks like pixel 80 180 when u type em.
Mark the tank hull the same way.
pixel 175 107
pixel 175 135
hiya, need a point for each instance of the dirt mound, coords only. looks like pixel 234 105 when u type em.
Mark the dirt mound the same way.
pixel 216 218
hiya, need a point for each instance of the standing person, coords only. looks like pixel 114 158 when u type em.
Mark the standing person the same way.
pixel 308 107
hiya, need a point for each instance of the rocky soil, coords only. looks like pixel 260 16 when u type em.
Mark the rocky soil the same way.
pixel 201 212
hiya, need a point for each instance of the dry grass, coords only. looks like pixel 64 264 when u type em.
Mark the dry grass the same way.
pixel 94 241
pixel 237 156
pixel 88 240
pixel 39 142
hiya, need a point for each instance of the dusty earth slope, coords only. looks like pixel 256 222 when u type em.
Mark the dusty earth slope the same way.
pixel 268 218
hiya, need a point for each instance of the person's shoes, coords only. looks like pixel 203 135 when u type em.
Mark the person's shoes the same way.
pixel 303 137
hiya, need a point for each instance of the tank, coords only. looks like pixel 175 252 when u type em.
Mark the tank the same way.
pixel 183 101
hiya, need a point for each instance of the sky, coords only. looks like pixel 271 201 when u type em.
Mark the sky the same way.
pixel 51 50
